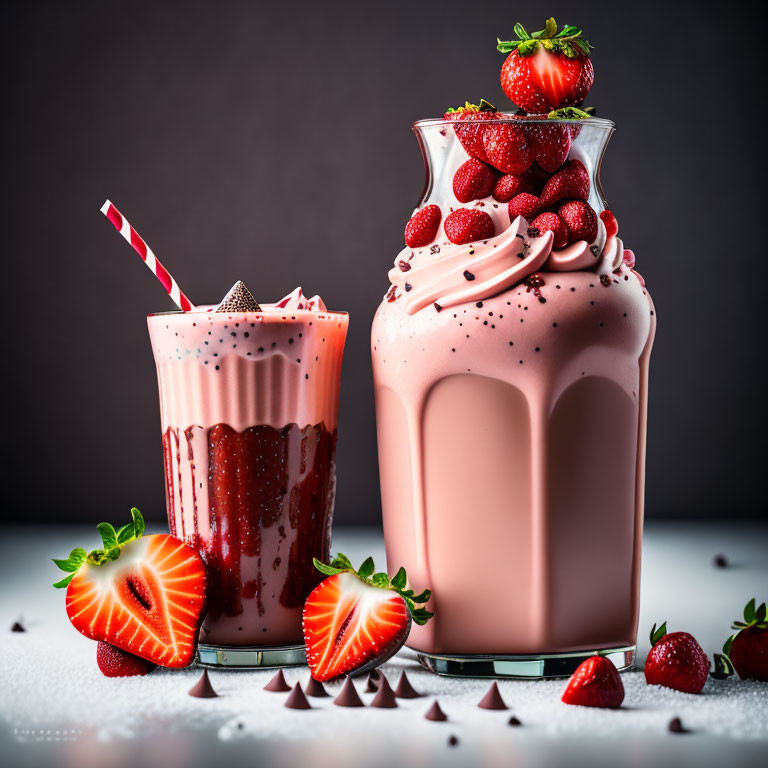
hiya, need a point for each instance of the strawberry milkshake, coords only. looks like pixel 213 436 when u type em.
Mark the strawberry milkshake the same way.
pixel 249 405
pixel 510 360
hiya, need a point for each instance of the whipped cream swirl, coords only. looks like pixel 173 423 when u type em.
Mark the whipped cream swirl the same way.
pixel 444 275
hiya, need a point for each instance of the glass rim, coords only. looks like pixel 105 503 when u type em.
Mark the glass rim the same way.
pixel 511 117
pixel 262 313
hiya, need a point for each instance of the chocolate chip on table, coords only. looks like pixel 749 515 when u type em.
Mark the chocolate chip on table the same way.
pixel 676 726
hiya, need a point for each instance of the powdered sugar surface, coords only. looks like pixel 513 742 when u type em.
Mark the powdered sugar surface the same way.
pixel 51 682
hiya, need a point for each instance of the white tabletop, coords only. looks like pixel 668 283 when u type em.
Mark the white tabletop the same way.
pixel 55 706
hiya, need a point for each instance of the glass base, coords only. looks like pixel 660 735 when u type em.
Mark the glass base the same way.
pixel 250 657
pixel 527 667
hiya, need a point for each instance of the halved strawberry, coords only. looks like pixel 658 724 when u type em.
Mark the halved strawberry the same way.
pixel 357 619
pixel 143 594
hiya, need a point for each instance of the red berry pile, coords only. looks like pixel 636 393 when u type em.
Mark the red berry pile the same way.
pixel 524 162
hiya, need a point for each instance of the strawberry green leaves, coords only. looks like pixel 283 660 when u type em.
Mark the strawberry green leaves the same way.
pixel 723 668
pixel 753 617
pixel 367 573
pixel 570 113
pixel 71 565
pixel 657 634
pixel 112 540
pixel 568 41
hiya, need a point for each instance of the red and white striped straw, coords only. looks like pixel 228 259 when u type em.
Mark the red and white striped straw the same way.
pixel 149 258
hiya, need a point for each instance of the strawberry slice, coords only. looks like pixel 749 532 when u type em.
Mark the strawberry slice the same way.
pixel 142 594
pixel 355 620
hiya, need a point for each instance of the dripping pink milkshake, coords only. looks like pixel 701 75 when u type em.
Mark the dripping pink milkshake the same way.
pixel 249 406
pixel 511 386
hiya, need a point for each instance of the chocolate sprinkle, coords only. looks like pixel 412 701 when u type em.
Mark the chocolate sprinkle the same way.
pixel 453 741
pixel 348 697
pixel 514 721
pixel 297 699
pixel 315 688
pixel 438 307
pixel 404 688
pixel 436 714
pixel 468 275
pixel 385 698
pixel 203 689
pixel 719 561
pixel 407 287
pixel 277 684
pixel 492 699
pixel 18 627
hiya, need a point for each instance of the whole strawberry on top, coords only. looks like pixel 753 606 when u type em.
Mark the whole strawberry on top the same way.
pixel 746 652
pixel 355 620
pixel 548 69
pixel 142 594
pixel 676 661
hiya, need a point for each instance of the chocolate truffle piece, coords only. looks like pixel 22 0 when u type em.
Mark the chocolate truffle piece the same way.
pixel 203 689
pixel 239 299
pixel 404 688
pixel 436 714
pixel 385 698
pixel 492 699
pixel 18 627
pixel 277 684
pixel 315 688
pixel 297 699
pixel 348 696
pixel 514 721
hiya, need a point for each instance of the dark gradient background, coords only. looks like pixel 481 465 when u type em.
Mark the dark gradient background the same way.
pixel 271 142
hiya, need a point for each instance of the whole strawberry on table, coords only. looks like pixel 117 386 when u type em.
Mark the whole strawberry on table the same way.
pixel 676 661
pixel 746 651
pixel 141 597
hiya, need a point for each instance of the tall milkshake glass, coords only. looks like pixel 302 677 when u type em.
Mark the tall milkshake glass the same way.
pixel 511 386
pixel 249 404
